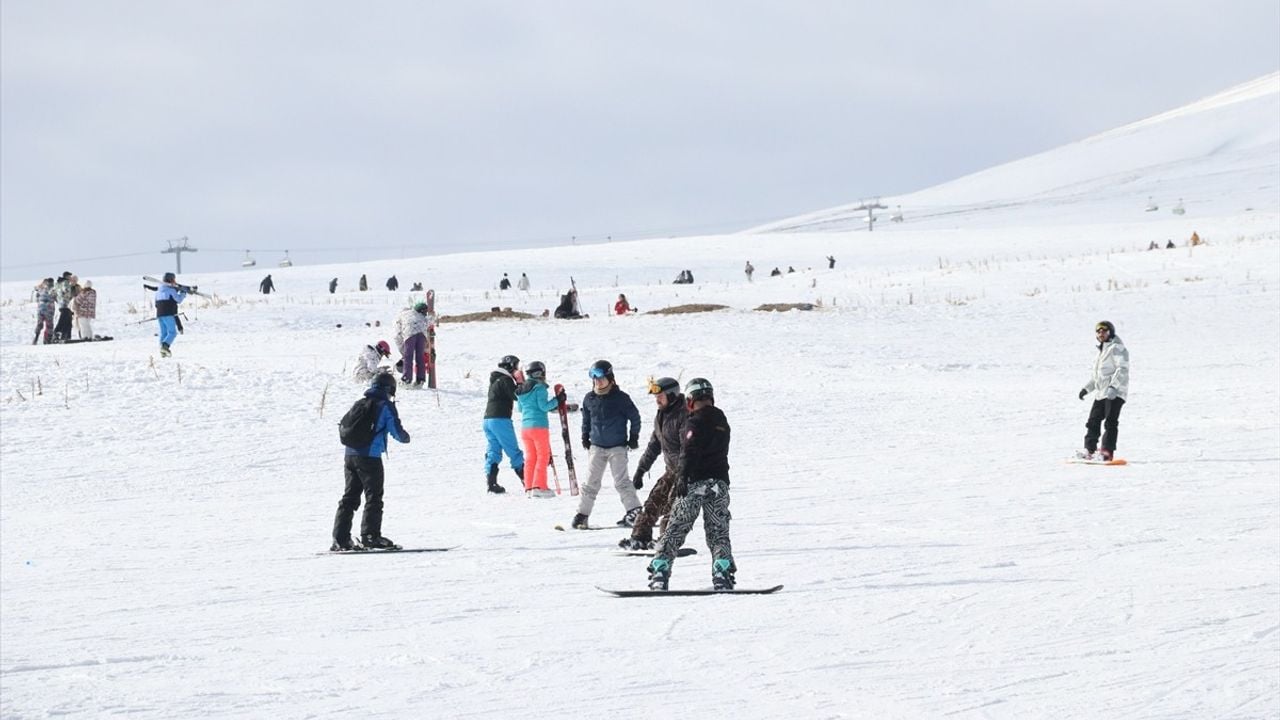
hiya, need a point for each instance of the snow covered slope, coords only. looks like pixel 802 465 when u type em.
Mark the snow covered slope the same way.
pixel 896 463
pixel 1219 156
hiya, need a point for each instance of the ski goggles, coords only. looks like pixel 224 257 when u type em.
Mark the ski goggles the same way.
pixel 597 374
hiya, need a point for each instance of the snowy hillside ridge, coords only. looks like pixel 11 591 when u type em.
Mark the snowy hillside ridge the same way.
pixel 1216 156
pixel 1252 90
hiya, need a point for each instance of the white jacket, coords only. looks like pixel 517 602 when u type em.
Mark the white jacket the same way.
pixel 1110 372
pixel 367 363
pixel 410 323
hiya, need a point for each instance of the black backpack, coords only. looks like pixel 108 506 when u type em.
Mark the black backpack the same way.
pixel 355 429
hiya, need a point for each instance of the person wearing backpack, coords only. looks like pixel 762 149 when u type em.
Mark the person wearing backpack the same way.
pixel 364 430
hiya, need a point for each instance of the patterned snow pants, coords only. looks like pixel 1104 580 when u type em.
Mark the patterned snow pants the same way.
pixel 711 496
pixel 657 505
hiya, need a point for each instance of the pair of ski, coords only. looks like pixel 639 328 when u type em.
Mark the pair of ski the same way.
pixel 389 551
pixel 188 289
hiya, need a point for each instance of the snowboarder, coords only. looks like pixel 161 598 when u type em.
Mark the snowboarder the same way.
pixel 267 286
pixel 1109 386
pixel 393 284
pixel 499 431
pixel 749 270
pixel 45 304
pixel 411 338
pixel 535 402
pixel 504 283
pixel 364 283
pixel 333 286
pixel 362 468
pixel 369 361
pixel 168 297
pixel 668 426
pixel 86 306
pixel 701 484
pixel 523 282
pixel 610 425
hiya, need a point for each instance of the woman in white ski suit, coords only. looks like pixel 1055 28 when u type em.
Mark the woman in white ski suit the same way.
pixel 1109 388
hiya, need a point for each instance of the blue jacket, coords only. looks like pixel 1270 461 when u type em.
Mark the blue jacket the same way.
pixel 388 424
pixel 167 299
pixel 535 400
pixel 605 418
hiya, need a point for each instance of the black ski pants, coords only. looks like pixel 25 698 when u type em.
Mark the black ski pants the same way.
pixel 1107 411
pixel 364 475
pixel 63 328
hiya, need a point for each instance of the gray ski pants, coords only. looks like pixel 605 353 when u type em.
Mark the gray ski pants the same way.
pixel 616 459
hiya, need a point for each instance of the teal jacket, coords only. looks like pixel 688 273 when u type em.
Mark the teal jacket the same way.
pixel 535 400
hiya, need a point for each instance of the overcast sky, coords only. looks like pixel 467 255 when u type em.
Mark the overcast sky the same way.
pixel 346 131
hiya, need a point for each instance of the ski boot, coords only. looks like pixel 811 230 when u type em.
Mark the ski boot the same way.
pixel 494 487
pixel 164 350
pixel 580 522
pixel 722 574
pixel 1104 455
pixel 344 545
pixel 659 574
pixel 629 519
pixel 377 542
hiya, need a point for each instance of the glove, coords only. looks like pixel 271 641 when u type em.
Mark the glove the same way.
pixel 634 443
pixel 1083 392
pixel 586 443
pixel 404 433
pixel 681 488
pixel 638 480
pixel 1111 393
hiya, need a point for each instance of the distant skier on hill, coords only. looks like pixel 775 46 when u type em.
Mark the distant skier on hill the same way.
pixel 568 308
pixel 1108 387
pixel 393 284
pixel 523 282
pixel 504 283
pixel 45 305
pixel 333 286
pixel 831 262
pixel 749 270
pixel 267 286
pixel 364 283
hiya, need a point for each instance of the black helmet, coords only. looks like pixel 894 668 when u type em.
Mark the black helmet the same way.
pixel 170 277
pixel 669 386
pixel 601 369
pixel 510 363
pixel 536 370
pixel 385 382
pixel 699 389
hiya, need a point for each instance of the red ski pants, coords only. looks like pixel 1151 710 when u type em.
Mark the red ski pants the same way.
pixel 537 453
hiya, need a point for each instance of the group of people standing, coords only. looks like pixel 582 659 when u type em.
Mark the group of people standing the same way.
pixel 75 304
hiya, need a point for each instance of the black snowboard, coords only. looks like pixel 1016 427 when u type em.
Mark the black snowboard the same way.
pixel 682 552
pixel 593 527
pixel 688 593
pixel 389 551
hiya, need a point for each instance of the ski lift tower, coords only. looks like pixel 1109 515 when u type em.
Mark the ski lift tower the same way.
pixel 870 208
pixel 177 247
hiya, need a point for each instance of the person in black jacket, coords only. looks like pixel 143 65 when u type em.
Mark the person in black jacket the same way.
pixel 668 426
pixel 393 284
pixel 610 425
pixel 702 483
pixel 267 286
pixel 498 428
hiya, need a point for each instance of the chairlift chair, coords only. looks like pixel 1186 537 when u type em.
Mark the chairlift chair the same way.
pixel 1178 209
pixel 286 262
pixel 1151 205
pixel 896 216
pixel 248 260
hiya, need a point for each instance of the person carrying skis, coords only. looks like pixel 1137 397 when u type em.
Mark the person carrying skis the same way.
pixel 369 361
pixel 168 297
pixel 364 474
pixel 702 484
pixel 45 304
pixel 610 425
pixel 499 431
pixel 267 286
pixel 411 338
pixel 1109 386
pixel 668 426
pixel 536 401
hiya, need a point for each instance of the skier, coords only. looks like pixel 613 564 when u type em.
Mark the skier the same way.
pixel 45 304
pixel 333 286
pixel 362 468
pixel 749 270
pixel 606 413
pixel 411 338
pixel 668 425
pixel 364 283
pixel 369 361
pixel 168 297
pixel 498 428
pixel 86 306
pixel 1108 386
pixel 831 262
pixel 504 283
pixel 267 286
pixel 535 402
pixel 393 284
pixel 702 483
pixel 523 282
